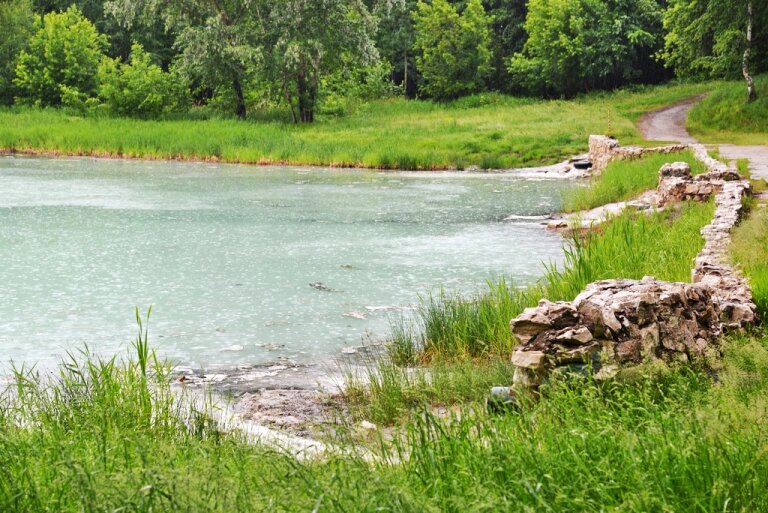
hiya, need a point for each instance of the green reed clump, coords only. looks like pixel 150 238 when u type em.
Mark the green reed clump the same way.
pixel 632 245
pixel 624 179
pixel 749 251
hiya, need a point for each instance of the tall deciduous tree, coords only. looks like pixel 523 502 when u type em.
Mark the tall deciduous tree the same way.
pixel 149 32
pixel 580 45
pixel 309 38
pixel 395 38
pixel 453 50
pixel 220 40
pixel 62 59
pixel 17 21
pixel 717 39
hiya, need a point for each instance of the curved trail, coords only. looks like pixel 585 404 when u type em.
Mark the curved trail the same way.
pixel 668 124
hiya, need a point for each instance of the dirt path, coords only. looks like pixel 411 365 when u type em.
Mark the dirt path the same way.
pixel 668 124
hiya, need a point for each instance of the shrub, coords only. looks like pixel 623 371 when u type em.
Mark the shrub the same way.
pixel 63 55
pixel 454 50
pixel 139 88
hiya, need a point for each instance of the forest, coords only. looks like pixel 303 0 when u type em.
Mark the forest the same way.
pixel 293 59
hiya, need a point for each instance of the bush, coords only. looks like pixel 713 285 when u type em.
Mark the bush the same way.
pixel 63 56
pixel 139 88
pixel 454 50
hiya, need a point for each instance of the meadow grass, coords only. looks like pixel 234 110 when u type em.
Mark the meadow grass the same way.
pixel 749 251
pixel 673 440
pixel 622 180
pixel 725 116
pixel 490 131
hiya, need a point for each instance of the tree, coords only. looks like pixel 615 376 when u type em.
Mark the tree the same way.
pixel 147 31
pixel 17 20
pixel 580 45
pixel 310 38
pixel 751 94
pixel 62 59
pixel 395 40
pixel 453 50
pixel 716 39
pixel 220 41
pixel 140 88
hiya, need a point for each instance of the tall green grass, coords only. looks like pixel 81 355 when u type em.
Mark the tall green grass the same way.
pixel 725 116
pixel 749 250
pixel 493 132
pixel 674 441
pixel 624 179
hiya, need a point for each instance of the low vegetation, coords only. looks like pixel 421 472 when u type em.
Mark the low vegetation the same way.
pixel 725 116
pixel 101 436
pixel 489 131
pixel 750 253
pixel 625 179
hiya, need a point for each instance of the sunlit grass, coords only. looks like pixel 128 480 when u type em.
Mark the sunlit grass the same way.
pixel 749 250
pixel 624 179
pixel 489 131
pixel 724 116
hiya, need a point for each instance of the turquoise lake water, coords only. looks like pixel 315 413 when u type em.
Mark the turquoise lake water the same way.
pixel 226 254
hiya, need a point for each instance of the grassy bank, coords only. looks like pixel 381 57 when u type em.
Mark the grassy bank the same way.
pixel 725 116
pixel 489 131
pixel 624 179
pixel 462 339
pixel 102 438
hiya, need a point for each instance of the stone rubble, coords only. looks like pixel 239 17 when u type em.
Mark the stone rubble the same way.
pixel 620 323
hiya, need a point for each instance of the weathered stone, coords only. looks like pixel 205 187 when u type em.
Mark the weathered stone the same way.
pixel 627 322
pixel 580 354
pixel 547 315
pixel 580 335
pixel 675 170
pixel 529 359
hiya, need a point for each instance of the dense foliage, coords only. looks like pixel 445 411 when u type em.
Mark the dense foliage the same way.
pixel 62 59
pixel 453 50
pixel 300 57
pixel 140 88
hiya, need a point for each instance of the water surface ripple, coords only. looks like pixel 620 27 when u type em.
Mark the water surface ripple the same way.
pixel 226 254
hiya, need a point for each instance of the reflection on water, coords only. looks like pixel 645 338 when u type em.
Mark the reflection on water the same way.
pixel 226 254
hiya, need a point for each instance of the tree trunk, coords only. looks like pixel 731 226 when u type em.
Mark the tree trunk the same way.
pixel 751 94
pixel 405 74
pixel 307 95
pixel 239 98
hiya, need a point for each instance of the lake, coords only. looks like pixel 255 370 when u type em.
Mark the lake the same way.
pixel 226 254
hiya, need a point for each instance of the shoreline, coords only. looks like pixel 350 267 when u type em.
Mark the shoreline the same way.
pixel 561 170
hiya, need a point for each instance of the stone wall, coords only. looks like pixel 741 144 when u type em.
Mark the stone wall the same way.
pixel 619 323
pixel 604 149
